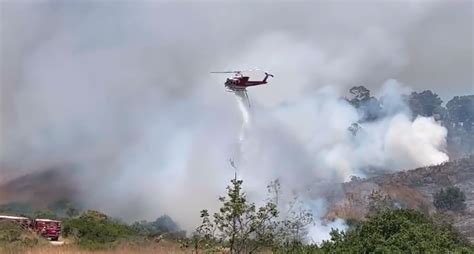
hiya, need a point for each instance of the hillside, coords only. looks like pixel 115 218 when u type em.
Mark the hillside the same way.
pixel 39 188
pixel 411 189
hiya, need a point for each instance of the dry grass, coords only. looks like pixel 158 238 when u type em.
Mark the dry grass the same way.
pixel 410 197
pixel 156 248
pixel 354 205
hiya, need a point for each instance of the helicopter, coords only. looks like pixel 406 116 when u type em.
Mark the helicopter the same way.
pixel 240 82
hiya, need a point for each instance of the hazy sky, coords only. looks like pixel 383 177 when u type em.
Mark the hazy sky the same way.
pixel 425 44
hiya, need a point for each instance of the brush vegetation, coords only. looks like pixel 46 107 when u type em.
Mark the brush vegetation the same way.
pixel 95 230
pixel 240 226
pixel 16 239
pixel 397 231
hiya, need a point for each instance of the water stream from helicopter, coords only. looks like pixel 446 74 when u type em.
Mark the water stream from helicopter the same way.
pixel 243 104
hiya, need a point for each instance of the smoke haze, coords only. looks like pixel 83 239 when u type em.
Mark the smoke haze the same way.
pixel 122 91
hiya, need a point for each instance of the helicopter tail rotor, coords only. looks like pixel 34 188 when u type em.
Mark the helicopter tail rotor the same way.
pixel 266 76
pixel 269 74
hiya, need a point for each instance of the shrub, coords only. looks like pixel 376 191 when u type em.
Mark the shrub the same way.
pixel 164 225
pixel 397 231
pixel 14 237
pixel 10 231
pixel 451 198
pixel 94 230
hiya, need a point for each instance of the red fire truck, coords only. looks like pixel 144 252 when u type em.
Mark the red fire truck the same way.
pixel 47 228
pixel 23 221
pixel 50 229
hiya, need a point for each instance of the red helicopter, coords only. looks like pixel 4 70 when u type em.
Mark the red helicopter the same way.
pixel 240 82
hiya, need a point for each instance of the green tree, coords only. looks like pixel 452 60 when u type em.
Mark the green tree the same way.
pixel 368 107
pixel 360 93
pixel 425 103
pixel 397 231
pixel 451 198
pixel 461 111
pixel 239 224
pixel 243 228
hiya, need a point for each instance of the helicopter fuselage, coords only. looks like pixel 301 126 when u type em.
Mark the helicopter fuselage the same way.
pixel 241 83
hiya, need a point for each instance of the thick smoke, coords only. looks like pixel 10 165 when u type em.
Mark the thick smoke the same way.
pixel 122 91
pixel 306 144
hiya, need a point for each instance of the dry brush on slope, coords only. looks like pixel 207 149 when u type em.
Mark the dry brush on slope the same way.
pixel 411 189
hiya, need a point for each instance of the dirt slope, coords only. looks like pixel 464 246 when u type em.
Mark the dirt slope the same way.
pixel 411 189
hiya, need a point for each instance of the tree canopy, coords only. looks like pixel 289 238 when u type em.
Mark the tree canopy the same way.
pixel 368 107
pixel 461 110
pixel 451 198
pixel 425 103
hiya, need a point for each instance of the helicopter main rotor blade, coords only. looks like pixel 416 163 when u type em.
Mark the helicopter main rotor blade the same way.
pixel 254 69
pixel 225 71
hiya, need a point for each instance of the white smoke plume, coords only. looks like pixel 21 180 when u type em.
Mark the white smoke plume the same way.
pixel 122 91
pixel 306 145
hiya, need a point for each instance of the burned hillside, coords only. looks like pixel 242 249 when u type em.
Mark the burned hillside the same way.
pixel 411 189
